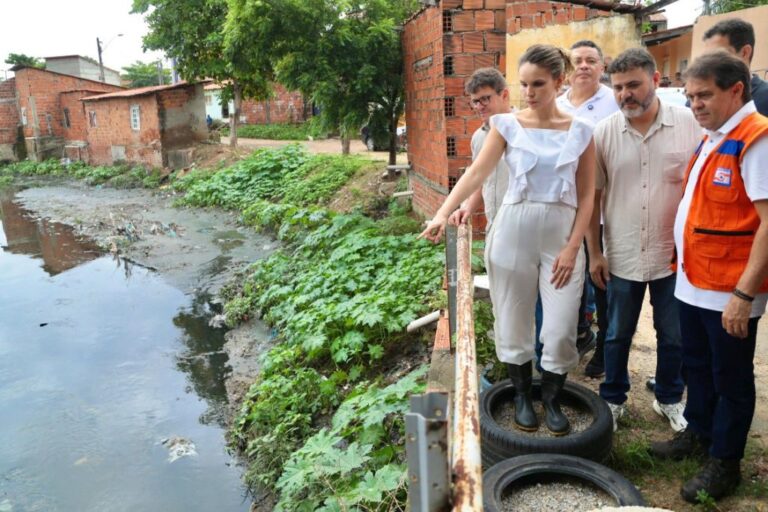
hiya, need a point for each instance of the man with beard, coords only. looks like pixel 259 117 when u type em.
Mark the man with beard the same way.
pixel 721 237
pixel 641 155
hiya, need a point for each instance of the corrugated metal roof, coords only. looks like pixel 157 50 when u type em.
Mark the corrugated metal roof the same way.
pixel 141 91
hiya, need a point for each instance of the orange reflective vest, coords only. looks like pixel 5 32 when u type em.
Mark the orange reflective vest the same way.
pixel 722 221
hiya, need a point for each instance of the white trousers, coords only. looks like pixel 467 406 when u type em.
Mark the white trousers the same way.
pixel 522 245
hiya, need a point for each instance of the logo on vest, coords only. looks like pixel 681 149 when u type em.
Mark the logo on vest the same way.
pixel 722 177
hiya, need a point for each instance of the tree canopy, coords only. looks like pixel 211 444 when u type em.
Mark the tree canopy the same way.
pixel 143 74
pixel 346 56
pixel 19 59
pixel 723 6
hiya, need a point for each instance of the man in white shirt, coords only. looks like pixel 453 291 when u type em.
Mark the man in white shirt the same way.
pixel 642 152
pixel 589 99
pixel 489 96
pixel 721 237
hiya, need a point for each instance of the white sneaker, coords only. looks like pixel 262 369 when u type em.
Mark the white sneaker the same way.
pixel 617 411
pixel 672 412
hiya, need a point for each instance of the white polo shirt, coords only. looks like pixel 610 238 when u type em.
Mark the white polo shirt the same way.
pixel 641 176
pixel 496 184
pixel 595 109
pixel 756 185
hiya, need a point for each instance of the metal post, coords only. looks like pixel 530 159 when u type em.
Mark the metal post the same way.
pixel 466 465
pixel 450 268
pixel 426 430
pixel 101 62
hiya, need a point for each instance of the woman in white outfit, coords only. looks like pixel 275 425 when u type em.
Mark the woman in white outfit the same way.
pixel 535 242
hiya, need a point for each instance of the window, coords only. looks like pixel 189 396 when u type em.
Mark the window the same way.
pixel 447 21
pixel 450 143
pixel 448 66
pixel 135 117
pixel 66 121
pixel 92 118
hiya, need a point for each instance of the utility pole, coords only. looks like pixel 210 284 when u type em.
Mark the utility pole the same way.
pixel 101 63
pixel 159 72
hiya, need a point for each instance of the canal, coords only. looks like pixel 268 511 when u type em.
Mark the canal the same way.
pixel 112 392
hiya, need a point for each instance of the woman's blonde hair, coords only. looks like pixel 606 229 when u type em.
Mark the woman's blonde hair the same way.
pixel 550 57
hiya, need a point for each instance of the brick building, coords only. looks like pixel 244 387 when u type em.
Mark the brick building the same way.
pixel 155 126
pixel 446 41
pixel 11 138
pixel 46 110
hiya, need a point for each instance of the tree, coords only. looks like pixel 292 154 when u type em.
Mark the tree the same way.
pixel 723 6
pixel 346 56
pixel 141 74
pixel 19 59
pixel 192 32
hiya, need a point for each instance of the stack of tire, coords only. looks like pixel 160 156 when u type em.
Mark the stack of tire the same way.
pixel 514 456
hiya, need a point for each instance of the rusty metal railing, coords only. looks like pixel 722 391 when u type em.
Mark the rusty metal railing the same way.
pixel 466 464
pixel 444 464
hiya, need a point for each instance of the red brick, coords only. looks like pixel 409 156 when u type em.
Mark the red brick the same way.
pixel 463 65
pixel 455 126
pixel 451 4
pixel 526 21
pixel 579 13
pixel 463 21
pixel 452 43
pixel 484 20
pixel 501 21
pixel 472 4
pixel 473 124
pixel 454 86
pixel 495 42
pixel 561 18
pixel 495 4
pixel 486 60
pixel 474 42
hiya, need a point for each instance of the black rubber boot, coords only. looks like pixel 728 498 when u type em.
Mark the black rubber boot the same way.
pixel 596 366
pixel 551 384
pixel 521 377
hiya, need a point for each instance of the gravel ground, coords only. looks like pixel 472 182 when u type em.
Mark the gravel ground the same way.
pixel 568 495
pixel 505 417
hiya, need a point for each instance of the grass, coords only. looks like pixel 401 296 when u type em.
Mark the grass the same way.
pixel 302 131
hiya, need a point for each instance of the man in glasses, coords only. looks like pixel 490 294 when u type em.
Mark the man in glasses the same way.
pixel 488 96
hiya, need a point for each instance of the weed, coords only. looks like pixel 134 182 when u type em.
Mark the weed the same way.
pixel 706 502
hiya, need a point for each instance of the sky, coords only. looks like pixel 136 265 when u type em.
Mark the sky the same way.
pixel 48 28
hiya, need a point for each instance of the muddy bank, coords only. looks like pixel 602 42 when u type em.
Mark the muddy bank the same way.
pixel 195 250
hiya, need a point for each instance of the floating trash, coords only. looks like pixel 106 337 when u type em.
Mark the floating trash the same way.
pixel 178 447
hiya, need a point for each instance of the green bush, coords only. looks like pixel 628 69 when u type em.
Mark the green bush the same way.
pixel 303 131
pixel 118 176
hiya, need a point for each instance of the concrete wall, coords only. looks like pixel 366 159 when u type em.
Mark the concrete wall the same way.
pixel 757 16
pixel 112 139
pixel 9 121
pixel 601 30
pixel 83 68
pixel 213 104
pixel 673 56
pixel 182 116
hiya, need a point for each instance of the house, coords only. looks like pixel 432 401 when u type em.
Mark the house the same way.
pixel 283 107
pixel 154 126
pixel 84 67
pixel 43 112
pixel 443 43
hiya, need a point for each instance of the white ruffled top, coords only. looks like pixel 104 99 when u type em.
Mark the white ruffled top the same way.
pixel 542 162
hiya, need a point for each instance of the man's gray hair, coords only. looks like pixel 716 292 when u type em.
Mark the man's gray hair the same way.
pixel 485 77
pixel 632 59
pixel 725 68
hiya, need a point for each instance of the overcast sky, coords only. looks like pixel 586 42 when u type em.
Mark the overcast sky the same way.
pixel 47 28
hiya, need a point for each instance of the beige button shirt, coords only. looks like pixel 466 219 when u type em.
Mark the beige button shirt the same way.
pixel 641 178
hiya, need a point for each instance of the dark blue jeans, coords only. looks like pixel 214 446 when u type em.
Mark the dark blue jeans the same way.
pixel 625 300
pixel 721 381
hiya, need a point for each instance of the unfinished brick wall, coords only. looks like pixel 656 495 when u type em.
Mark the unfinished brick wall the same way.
pixel 9 120
pixel 284 107
pixel 443 46
pixel 73 118
pixel 182 116
pixel 111 138
pixel 39 94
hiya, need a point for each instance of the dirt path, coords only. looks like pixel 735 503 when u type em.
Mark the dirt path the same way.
pixel 332 146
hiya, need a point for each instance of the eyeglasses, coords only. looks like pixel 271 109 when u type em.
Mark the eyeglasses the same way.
pixel 482 100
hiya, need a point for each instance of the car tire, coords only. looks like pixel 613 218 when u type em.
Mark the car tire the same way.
pixel 498 443
pixel 546 467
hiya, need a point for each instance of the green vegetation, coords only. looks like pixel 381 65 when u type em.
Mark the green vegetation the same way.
pixel 304 131
pixel 144 74
pixel 118 176
pixel 323 424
